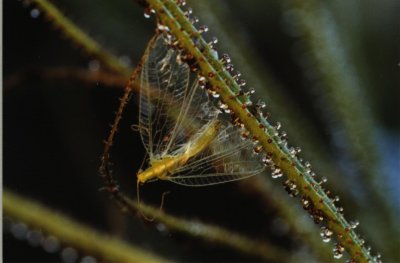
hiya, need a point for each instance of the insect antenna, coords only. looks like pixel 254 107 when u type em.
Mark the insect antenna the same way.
pixel 139 204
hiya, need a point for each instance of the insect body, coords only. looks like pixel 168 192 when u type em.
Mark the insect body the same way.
pixel 187 140
pixel 161 168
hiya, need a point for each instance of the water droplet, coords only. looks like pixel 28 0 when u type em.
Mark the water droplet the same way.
pixel 261 104
pixel 326 234
pixel 291 188
pixel 69 255
pixel 181 2
pixel 88 259
pixel 278 125
pixel 214 53
pixel 35 238
pixel 225 59
pixel 51 244
pixel 245 135
pixel 292 151
pixel 35 13
pixel 237 76
pixel 196 229
pixel 148 12
pixel 267 161
pixel 203 29
pixel 188 12
pixel 161 227
pixel 162 28
pixel 255 141
pixel 242 83
pixel 257 149
pixel 229 67
pixel 307 167
pixel 19 230
pixel 215 94
pixel 276 172
pixel 194 20
pixel 202 82
pixel 323 180
pixel 338 251
pixel 283 141
pixel 248 104
pixel 214 40
pixel 306 202
pixel 94 65
pixel 317 215
pixel 224 107
pixel 354 224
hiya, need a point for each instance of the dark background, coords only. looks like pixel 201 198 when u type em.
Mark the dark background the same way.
pixel 53 129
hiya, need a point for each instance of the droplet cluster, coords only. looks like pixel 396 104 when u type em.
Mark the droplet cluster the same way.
pixel 49 243
pixel 338 250
pixel 271 159
pixel 291 188
pixel 326 234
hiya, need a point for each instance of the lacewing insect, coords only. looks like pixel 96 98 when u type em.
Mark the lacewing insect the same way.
pixel 187 139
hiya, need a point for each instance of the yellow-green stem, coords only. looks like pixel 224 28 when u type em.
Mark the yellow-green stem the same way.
pixel 171 16
pixel 81 38
pixel 71 233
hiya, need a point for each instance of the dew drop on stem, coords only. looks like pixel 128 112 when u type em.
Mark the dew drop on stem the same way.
pixel 35 238
pixel 338 251
pixel 203 29
pixel 51 244
pixel 19 230
pixel 326 234
pixel 88 259
pixel 69 255
pixel 35 13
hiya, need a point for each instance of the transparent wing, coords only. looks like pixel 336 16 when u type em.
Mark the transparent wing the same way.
pixel 172 106
pixel 228 158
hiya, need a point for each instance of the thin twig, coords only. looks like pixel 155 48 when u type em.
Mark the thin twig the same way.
pixel 79 37
pixel 84 75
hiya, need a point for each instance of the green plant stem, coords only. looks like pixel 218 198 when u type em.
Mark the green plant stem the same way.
pixel 171 16
pixel 260 185
pixel 207 232
pixel 299 128
pixel 79 37
pixel 72 233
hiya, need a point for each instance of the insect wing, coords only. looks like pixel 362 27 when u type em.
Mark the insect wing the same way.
pixel 172 106
pixel 229 158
